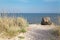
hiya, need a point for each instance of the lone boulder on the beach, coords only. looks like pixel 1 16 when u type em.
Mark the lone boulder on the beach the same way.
pixel 46 21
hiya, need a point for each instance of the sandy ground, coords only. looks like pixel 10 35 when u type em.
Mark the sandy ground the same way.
pixel 40 32
pixel 36 32
pixel 41 27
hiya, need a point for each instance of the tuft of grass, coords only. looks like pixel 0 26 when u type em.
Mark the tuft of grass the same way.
pixel 23 30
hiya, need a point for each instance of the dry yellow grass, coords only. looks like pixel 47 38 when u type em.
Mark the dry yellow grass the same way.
pixel 12 26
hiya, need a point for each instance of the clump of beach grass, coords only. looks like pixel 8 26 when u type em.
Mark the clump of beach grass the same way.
pixel 11 27
pixel 56 31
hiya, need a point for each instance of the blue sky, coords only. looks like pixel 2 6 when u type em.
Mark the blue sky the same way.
pixel 30 6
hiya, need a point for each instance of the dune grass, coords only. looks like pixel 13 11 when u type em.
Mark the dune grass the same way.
pixel 12 26
pixel 56 31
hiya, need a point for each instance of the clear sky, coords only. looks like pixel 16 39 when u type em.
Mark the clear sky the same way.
pixel 30 6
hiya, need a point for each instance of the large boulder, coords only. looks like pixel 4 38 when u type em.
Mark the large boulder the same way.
pixel 46 21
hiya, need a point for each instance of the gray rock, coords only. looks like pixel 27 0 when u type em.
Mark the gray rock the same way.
pixel 46 21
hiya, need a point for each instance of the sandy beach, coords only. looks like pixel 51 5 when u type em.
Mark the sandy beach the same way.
pixel 36 32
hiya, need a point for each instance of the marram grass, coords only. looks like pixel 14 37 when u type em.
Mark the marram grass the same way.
pixel 11 27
